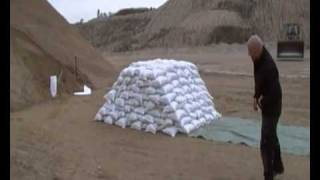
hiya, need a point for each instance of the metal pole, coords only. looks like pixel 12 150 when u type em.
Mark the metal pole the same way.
pixel 76 67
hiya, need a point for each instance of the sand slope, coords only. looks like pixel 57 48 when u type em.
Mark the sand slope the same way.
pixel 42 43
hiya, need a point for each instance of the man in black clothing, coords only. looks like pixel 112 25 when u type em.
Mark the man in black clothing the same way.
pixel 268 97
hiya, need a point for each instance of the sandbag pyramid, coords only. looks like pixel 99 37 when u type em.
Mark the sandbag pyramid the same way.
pixel 159 95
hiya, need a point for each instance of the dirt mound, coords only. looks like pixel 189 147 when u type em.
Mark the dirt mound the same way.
pixel 119 33
pixel 42 43
pixel 180 23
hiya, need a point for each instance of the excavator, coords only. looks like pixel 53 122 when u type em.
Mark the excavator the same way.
pixel 290 45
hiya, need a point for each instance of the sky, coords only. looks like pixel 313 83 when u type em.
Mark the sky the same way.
pixel 74 10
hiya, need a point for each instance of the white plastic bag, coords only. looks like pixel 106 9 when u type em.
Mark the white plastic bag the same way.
pixel 53 86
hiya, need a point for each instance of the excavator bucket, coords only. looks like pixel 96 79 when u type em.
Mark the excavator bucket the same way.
pixel 290 50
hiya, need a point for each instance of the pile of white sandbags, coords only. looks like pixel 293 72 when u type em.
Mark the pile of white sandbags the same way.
pixel 159 95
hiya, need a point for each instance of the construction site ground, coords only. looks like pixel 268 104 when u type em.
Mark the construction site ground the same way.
pixel 58 139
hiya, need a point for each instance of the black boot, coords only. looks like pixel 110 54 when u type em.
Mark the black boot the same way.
pixel 278 169
pixel 268 177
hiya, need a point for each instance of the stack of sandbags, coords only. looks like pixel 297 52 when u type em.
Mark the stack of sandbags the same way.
pixel 166 95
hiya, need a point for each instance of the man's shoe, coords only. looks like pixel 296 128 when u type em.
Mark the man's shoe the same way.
pixel 279 170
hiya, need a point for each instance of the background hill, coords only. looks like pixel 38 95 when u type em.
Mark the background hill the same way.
pixel 180 23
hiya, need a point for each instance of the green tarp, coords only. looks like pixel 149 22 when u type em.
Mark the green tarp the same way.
pixel 294 140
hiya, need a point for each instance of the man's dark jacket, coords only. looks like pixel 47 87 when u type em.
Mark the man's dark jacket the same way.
pixel 267 85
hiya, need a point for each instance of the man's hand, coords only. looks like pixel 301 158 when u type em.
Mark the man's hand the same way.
pixel 259 101
pixel 255 104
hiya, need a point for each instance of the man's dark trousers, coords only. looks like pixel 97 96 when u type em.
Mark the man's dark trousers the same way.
pixel 270 147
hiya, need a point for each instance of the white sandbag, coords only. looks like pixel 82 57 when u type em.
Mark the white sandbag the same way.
pixel 178 91
pixel 113 114
pixel 148 74
pixel 175 83
pixel 124 95
pixel 98 117
pixel 164 124
pixel 133 102
pixel 148 105
pixel 185 120
pixel 209 117
pixel 180 72
pixel 119 102
pixel 188 128
pixel 111 95
pixel 137 125
pixel 108 120
pixel 176 116
pixel 193 115
pixel 171 76
pixel 155 113
pixel 151 128
pixel 168 109
pixel 186 72
pixel 148 119
pixel 183 80
pixel 188 107
pixel 199 113
pixel 122 122
pixel 102 111
pixel 144 125
pixel 171 131
pixel 137 97
pixel 188 97
pixel 127 108
pixel 150 90
pixel 161 80
pixel 167 98
pixel 134 88
pixel 140 110
pixel 127 80
pixel 186 88
pixel 196 123
pixel 121 113
pixel 140 83
pixel 155 99
pixel 132 117
pixel 167 88
pixel 158 73
pixel 180 99
pixel 202 121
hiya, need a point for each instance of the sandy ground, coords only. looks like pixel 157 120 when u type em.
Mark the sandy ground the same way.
pixel 60 140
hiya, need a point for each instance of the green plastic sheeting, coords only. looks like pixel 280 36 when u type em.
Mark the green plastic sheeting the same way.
pixel 294 140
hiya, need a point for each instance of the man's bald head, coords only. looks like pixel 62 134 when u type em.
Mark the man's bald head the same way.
pixel 255 47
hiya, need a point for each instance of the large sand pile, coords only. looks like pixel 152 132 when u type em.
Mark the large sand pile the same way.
pixel 180 23
pixel 42 43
